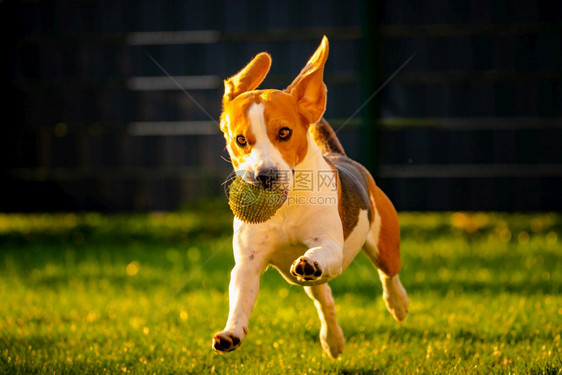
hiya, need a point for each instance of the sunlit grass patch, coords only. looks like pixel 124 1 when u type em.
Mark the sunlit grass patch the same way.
pixel 90 293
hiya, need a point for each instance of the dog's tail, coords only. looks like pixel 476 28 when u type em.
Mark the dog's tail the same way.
pixel 325 137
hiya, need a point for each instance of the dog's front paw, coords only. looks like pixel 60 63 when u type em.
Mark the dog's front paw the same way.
pixel 226 341
pixel 305 269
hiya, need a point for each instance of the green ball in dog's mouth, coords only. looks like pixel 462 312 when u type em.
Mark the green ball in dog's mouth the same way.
pixel 254 204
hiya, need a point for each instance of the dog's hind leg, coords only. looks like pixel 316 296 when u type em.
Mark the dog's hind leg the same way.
pixel 331 335
pixel 394 294
pixel 383 248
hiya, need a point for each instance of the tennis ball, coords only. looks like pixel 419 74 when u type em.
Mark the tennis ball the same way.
pixel 254 204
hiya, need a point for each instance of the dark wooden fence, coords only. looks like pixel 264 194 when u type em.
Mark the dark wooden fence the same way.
pixel 115 104
pixel 475 121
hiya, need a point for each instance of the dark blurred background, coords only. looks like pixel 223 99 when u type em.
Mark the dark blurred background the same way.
pixel 93 122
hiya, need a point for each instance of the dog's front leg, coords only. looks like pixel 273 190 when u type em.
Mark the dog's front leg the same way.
pixel 323 260
pixel 243 291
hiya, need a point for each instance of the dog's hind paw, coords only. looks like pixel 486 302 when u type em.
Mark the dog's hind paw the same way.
pixel 224 342
pixel 304 269
pixel 332 341
pixel 395 297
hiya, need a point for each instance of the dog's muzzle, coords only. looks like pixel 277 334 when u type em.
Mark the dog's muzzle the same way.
pixel 267 178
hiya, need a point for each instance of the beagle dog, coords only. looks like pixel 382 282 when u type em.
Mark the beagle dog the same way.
pixel 278 139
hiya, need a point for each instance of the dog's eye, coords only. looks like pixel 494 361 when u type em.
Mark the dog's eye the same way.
pixel 241 140
pixel 285 133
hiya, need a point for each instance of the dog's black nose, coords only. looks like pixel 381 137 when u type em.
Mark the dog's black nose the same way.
pixel 267 177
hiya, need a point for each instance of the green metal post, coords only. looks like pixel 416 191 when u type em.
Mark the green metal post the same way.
pixel 369 78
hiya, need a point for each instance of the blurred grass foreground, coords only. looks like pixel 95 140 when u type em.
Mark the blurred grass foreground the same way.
pixel 143 293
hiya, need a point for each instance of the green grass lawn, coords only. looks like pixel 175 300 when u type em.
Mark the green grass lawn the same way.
pixel 145 293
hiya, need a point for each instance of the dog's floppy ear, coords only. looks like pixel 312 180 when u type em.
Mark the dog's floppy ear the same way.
pixel 308 88
pixel 248 78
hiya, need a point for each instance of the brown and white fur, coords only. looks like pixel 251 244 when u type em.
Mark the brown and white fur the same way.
pixel 310 241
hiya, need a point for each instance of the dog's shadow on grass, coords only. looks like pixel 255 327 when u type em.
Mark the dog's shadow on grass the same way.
pixel 359 372
pixel 312 338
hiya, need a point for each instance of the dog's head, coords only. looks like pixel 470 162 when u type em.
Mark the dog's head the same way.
pixel 266 130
